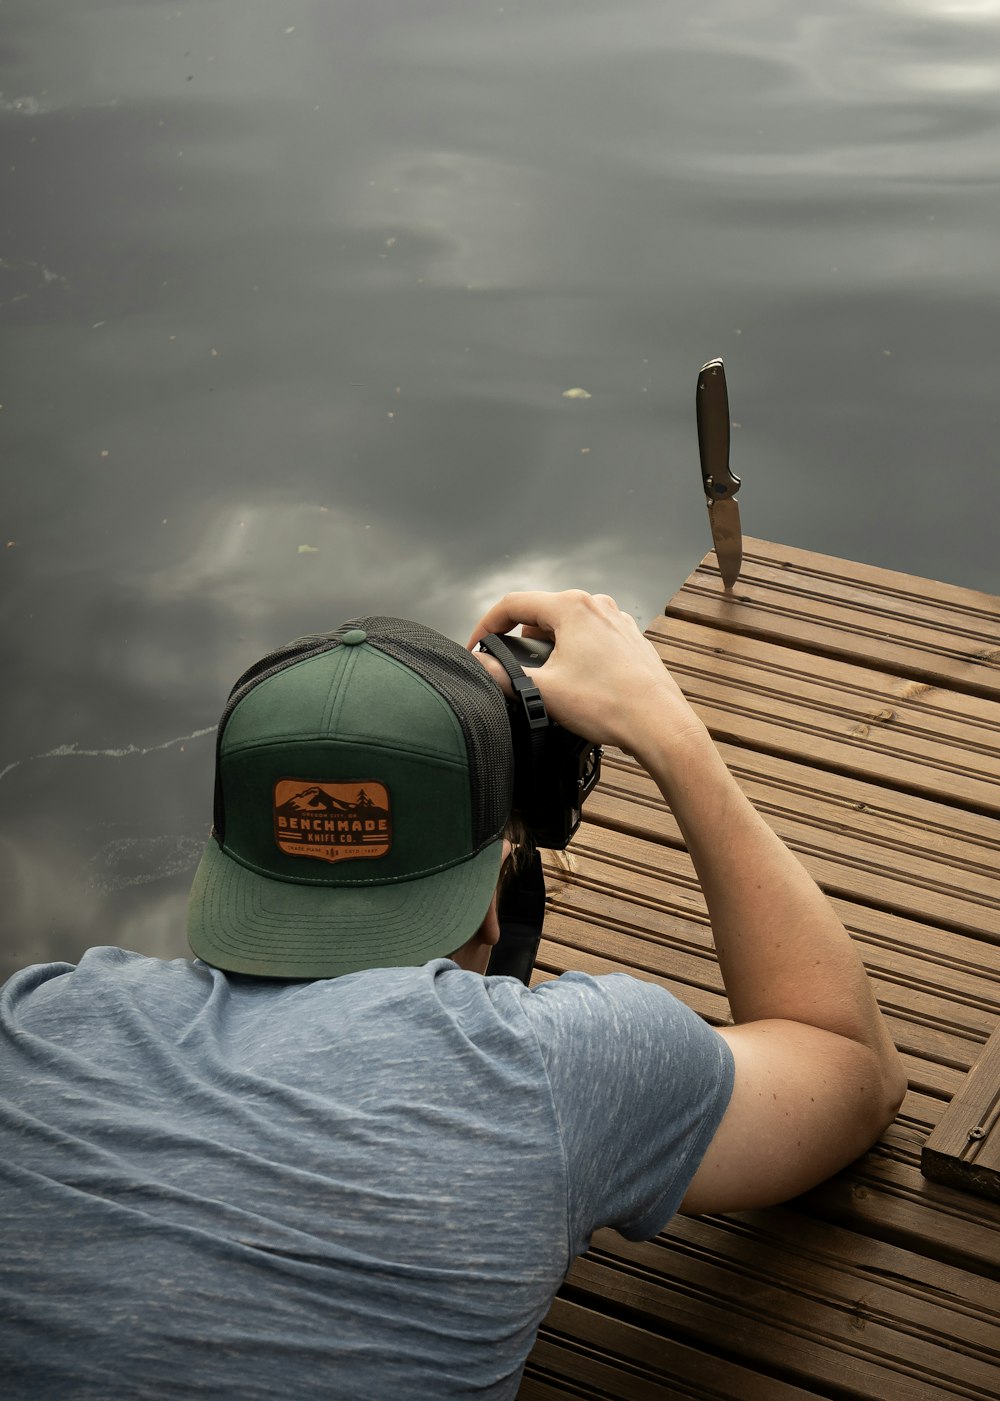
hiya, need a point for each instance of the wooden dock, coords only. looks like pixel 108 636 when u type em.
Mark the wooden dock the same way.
pixel 860 711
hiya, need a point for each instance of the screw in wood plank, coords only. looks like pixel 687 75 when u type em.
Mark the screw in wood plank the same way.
pixel 976 1134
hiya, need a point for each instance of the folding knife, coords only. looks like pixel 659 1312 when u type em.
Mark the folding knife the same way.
pixel 712 405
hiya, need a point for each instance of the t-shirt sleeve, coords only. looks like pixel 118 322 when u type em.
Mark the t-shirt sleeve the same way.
pixel 639 1084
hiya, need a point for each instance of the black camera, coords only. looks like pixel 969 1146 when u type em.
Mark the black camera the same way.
pixel 554 769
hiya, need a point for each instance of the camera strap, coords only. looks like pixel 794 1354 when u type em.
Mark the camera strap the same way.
pixel 521 912
pixel 527 697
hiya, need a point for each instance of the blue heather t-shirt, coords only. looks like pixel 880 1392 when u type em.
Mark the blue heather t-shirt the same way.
pixel 369 1187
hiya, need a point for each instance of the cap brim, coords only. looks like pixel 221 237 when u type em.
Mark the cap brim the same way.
pixel 246 923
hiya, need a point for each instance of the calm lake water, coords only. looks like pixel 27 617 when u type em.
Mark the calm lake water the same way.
pixel 292 291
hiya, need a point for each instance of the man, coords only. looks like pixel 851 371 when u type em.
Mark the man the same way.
pixel 331 1159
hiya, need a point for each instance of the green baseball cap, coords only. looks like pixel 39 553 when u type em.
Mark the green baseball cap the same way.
pixel 363 781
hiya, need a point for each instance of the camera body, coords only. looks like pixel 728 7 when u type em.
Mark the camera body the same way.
pixel 554 769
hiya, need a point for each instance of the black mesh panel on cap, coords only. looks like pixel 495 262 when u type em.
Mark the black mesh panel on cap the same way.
pixel 477 703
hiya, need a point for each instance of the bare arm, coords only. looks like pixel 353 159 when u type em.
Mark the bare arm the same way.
pixel 817 1076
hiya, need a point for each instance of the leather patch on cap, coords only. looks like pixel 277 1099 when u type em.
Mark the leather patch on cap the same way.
pixel 332 821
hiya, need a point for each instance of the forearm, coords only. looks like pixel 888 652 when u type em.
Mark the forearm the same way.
pixel 783 952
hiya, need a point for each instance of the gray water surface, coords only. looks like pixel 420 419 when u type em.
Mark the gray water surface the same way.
pixel 291 292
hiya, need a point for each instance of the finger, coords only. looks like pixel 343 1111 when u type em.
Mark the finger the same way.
pixel 533 610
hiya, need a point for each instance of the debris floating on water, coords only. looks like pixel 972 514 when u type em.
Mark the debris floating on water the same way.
pixel 575 394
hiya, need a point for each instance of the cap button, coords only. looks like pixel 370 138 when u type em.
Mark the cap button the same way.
pixel 353 636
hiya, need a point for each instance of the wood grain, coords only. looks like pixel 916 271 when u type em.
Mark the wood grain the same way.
pixel 939 743
pixel 964 1149
pixel 937 634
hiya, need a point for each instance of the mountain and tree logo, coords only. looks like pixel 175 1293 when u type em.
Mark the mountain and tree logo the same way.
pixel 332 821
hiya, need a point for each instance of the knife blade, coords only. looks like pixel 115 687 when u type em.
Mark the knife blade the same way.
pixel 712 409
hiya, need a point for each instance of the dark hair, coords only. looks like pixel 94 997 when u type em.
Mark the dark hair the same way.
pixel 522 847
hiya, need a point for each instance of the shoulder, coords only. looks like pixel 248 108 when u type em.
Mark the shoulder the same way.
pixel 53 997
pixel 617 998
pixel 616 1021
pixel 102 963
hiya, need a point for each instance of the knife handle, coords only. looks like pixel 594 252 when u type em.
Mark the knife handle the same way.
pixel 712 409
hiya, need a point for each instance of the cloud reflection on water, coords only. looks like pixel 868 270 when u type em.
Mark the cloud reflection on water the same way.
pixel 475 217
pixel 248 568
pixel 51 920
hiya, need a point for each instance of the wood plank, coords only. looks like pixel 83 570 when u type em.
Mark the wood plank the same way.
pixel 617 1358
pixel 921 1113
pixel 650 892
pixel 924 859
pixel 650 918
pixel 937 634
pixel 941 744
pixel 964 1149
pixel 819 1306
pixel 888 1199
pixel 534 1388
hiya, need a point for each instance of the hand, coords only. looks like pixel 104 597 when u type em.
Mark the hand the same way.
pixel 604 680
